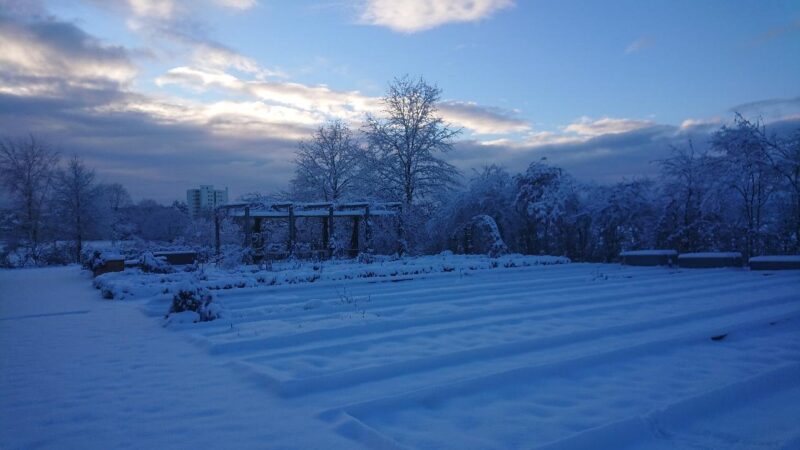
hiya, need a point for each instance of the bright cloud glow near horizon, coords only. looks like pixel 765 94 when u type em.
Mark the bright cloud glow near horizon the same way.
pixel 165 95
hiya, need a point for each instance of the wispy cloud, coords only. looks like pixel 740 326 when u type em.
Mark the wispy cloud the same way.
pixel 586 126
pixel 481 119
pixel 411 16
pixel 639 45
pixel 776 32
pixel 770 110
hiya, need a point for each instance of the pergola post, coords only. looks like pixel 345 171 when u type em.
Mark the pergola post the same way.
pixel 329 245
pixel 217 243
pixel 247 228
pixel 367 230
pixel 292 230
pixel 325 236
pixel 401 234
pixel 354 238
pixel 259 241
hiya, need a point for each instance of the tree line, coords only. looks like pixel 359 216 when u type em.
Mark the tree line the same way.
pixel 740 192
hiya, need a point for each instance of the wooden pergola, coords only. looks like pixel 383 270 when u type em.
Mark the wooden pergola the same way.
pixel 252 215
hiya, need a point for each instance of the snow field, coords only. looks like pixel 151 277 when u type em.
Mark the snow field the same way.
pixel 517 357
pixel 560 356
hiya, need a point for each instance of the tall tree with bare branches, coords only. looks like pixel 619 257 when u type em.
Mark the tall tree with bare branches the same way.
pixel 76 198
pixel 407 139
pixel 327 164
pixel 27 168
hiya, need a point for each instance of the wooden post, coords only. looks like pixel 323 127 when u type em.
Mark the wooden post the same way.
pixel 401 234
pixel 217 243
pixel 326 239
pixel 247 227
pixel 291 230
pixel 354 238
pixel 259 241
pixel 330 232
pixel 367 230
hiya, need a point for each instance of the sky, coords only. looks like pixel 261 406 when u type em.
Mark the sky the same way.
pixel 166 95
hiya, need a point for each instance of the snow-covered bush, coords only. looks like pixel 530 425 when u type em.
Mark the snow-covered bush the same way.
pixel 233 256
pixel 479 236
pixel 190 298
pixel 150 264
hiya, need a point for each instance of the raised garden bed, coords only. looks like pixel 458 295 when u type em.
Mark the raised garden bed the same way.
pixel 177 258
pixel 775 262
pixel 710 260
pixel 109 265
pixel 649 257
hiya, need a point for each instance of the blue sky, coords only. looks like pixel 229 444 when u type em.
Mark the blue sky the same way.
pixel 165 94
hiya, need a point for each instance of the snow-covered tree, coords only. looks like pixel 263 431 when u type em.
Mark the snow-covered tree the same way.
pixel 742 165
pixel 114 198
pixel 623 218
pixel 546 198
pixel 27 168
pixel 405 142
pixel 327 164
pixel 689 218
pixel 490 191
pixel 785 159
pixel 77 201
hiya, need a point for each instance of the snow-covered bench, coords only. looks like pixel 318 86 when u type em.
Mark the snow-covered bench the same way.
pixel 649 257
pixel 775 262
pixel 709 260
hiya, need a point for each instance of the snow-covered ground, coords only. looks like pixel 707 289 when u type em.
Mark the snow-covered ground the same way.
pixel 481 356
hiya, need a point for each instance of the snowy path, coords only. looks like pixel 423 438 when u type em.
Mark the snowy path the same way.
pixel 560 357
pixel 77 371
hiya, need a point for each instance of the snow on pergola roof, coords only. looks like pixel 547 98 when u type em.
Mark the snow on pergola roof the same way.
pixel 315 209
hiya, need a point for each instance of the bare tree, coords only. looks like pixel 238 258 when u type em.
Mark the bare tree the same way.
pixel 26 171
pixel 405 141
pixel 687 187
pixel 328 163
pixel 76 197
pixel 743 166
pixel 114 198
pixel 785 159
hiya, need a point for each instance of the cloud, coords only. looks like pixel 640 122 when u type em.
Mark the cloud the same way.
pixel 162 9
pixel 690 124
pixel 639 45
pixel 411 16
pixel 237 4
pixel 315 104
pixel 482 120
pixel 770 110
pixel 44 57
pixel 775 33
pixel 589 127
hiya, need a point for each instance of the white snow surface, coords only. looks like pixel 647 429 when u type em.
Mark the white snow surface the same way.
pixel 563 356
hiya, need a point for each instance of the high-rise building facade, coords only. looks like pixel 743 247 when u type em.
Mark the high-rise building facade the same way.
pixel 205 199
